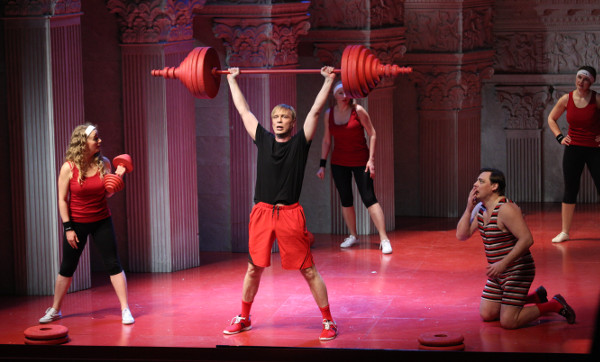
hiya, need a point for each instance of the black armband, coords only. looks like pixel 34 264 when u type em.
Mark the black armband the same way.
pixel 322 162
pixel 68 226
pixel 559 138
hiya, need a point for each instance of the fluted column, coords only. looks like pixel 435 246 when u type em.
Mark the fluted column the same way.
pixel 45 102
pixel 256 36
pixel 449 44
pixel 159 127
pixel 524 107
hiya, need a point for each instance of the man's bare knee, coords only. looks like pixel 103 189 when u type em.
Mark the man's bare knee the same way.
pixel 508 323
pixel 254 271
pixel 310 273
pixel 488 316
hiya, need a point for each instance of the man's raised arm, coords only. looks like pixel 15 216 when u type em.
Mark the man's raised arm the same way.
pixel 310 124
pixel 249 119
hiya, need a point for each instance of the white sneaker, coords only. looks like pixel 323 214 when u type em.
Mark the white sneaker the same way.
pixel 385 246
pixel 127 317
pixel 50 316
pixel 349 241
pixel 560 237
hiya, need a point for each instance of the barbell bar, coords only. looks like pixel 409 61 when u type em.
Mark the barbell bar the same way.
pixel 201 72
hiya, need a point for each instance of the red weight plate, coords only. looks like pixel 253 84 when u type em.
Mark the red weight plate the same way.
pixel 185 71
pixel 49 331
pixel 344 68
pixel 60 340
pixel 209 83
pixel 124 160
pixel 371 78
pixel 113 183
pixel 441 339
pixel 458 347
pixel 354 86
pixel 360 71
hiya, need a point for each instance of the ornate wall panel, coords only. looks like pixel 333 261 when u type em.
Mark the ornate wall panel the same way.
pixel 448 26
pixel 539 45
pixel 356 14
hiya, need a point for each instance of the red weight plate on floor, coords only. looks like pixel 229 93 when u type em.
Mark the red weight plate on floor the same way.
pixel 50 331
pixel 458 347
pixel 61 340
pixel 435 339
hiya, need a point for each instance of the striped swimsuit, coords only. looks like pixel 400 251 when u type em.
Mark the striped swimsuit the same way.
pixel 512 286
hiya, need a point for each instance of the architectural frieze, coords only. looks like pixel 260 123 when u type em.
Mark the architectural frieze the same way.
pixel 449 26
pixel 41 7
pixel 356 14
pixel 154 21
pixel 569 12
pixel 433 30
pixel 567 51
pixel 524 106
pixel 520 52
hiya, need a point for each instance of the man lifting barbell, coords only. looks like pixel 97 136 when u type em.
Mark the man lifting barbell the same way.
pixel 277 213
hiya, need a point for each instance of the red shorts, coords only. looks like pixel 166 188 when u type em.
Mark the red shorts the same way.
pixel 285 223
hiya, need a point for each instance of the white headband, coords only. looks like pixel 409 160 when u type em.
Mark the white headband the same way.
pixel 89 130
pixel 587 74
pixel 336 87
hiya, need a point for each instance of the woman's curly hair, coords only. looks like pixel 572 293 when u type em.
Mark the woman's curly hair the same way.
pixel 76 153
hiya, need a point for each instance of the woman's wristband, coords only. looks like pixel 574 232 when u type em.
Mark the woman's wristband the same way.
pixel 559 138
pixel 322 162
pixel 68 226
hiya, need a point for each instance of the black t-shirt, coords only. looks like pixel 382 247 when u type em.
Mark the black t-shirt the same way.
pixel 280 167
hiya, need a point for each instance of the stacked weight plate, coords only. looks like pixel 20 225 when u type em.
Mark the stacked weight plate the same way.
pixel 47 334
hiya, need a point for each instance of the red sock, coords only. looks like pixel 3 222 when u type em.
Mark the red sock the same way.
pixel 552 306
pixel 246 309
pixel 326 313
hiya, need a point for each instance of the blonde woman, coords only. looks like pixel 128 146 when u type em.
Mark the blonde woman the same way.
pixel 351 155
pixel 83 207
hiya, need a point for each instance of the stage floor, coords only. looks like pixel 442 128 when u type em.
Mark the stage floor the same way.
pixel 431 282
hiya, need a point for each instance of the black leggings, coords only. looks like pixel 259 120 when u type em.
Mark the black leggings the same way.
pixel 342 176
pixel 574 159
pixel 103 234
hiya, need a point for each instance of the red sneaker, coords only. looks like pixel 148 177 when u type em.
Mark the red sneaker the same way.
pixel 329 330
pixel 238 324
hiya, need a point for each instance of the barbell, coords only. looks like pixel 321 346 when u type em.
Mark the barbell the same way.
pixel 201 72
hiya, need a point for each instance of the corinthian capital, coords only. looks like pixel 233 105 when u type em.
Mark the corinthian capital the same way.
pixel 153 21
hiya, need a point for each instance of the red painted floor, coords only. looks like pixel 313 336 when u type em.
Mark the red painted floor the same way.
pixel 431 282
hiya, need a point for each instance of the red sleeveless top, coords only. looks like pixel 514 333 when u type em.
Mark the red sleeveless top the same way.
pixel 88 200
pixel 350 145
pixel 584 123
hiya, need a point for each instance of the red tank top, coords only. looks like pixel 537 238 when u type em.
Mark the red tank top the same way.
pixel 350 145
pixel 584 123
pixel 88 200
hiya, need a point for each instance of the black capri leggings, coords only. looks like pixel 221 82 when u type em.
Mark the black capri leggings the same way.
pixel 103 234
pixel 342 177
pixel 574 158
